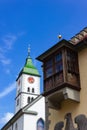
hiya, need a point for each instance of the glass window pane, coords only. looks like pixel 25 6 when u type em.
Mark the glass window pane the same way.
pixel 40 124
pixel 49 63
pixel 58 57
pixel 49 72
pixel 59 66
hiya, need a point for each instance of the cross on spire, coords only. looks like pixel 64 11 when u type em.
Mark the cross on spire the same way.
pixel 29 51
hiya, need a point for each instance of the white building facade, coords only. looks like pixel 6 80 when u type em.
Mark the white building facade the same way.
pixel 29 104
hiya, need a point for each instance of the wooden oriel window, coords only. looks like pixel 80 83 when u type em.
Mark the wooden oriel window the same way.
pixel 72 62
pixel 72 68
pixel 49 68
pixel 53 65
pixel 58 62
pixel 53 71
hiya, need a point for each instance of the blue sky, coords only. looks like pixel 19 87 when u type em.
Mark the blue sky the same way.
pixel 34 22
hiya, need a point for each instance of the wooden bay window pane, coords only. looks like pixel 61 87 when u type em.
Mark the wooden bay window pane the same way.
pixel 49 72
pixel 58 67
pixel 49 63
pixel 58 57
pixel 49 68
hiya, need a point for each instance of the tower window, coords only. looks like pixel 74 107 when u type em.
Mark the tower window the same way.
pixel 32 90
pixel 28 100
pixel 16 126
pixel 32 99
pixel 28 89
pixel 18 91
pixel 17 102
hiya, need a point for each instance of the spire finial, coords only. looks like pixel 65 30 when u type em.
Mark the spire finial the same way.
pixel 29 51
pixel 59 36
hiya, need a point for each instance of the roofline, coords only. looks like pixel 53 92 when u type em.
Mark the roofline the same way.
pixel 26 93
pixel 16 116
pixel 20 112
pixel 12 120
pixel 76 39
pixel 34 101
pixel 51 50
pixel 78 44
pixel 27 74
pixel 81 45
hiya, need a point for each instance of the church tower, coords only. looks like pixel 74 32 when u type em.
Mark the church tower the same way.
pixel 28 84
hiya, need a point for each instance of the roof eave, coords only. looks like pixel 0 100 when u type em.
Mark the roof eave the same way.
pixel 54 48
pixel 27 73
pixel 81 45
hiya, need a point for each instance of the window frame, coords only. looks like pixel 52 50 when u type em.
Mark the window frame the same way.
pixel 56 65
pixel 28 100
pixel 33 90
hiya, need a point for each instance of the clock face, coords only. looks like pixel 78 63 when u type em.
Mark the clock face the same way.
pixel 31 80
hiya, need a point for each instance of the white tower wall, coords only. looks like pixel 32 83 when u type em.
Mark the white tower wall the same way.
pixel 26 89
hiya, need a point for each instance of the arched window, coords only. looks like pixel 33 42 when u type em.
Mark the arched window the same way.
pixel 32 90
pixel 17 101
pixel 28 89
pixel 16 126
pixel 32 99
pixel 28 100
pixel 40 124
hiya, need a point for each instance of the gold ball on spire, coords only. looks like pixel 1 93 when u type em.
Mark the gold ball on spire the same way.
pixel 59 36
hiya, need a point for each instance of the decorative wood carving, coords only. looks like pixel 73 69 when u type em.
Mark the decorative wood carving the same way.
pixel 59 125
pixel 69 122
pixel 80 120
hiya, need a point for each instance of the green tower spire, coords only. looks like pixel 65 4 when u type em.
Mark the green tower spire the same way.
pixel 29 68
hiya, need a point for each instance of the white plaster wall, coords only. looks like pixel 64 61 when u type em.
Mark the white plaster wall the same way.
pixel 30 121
pixel 17 107
pixel 23 101
pixel 24 98
pixel 19 124
pixel 18 96
pixel 18 87
pixel 26 84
